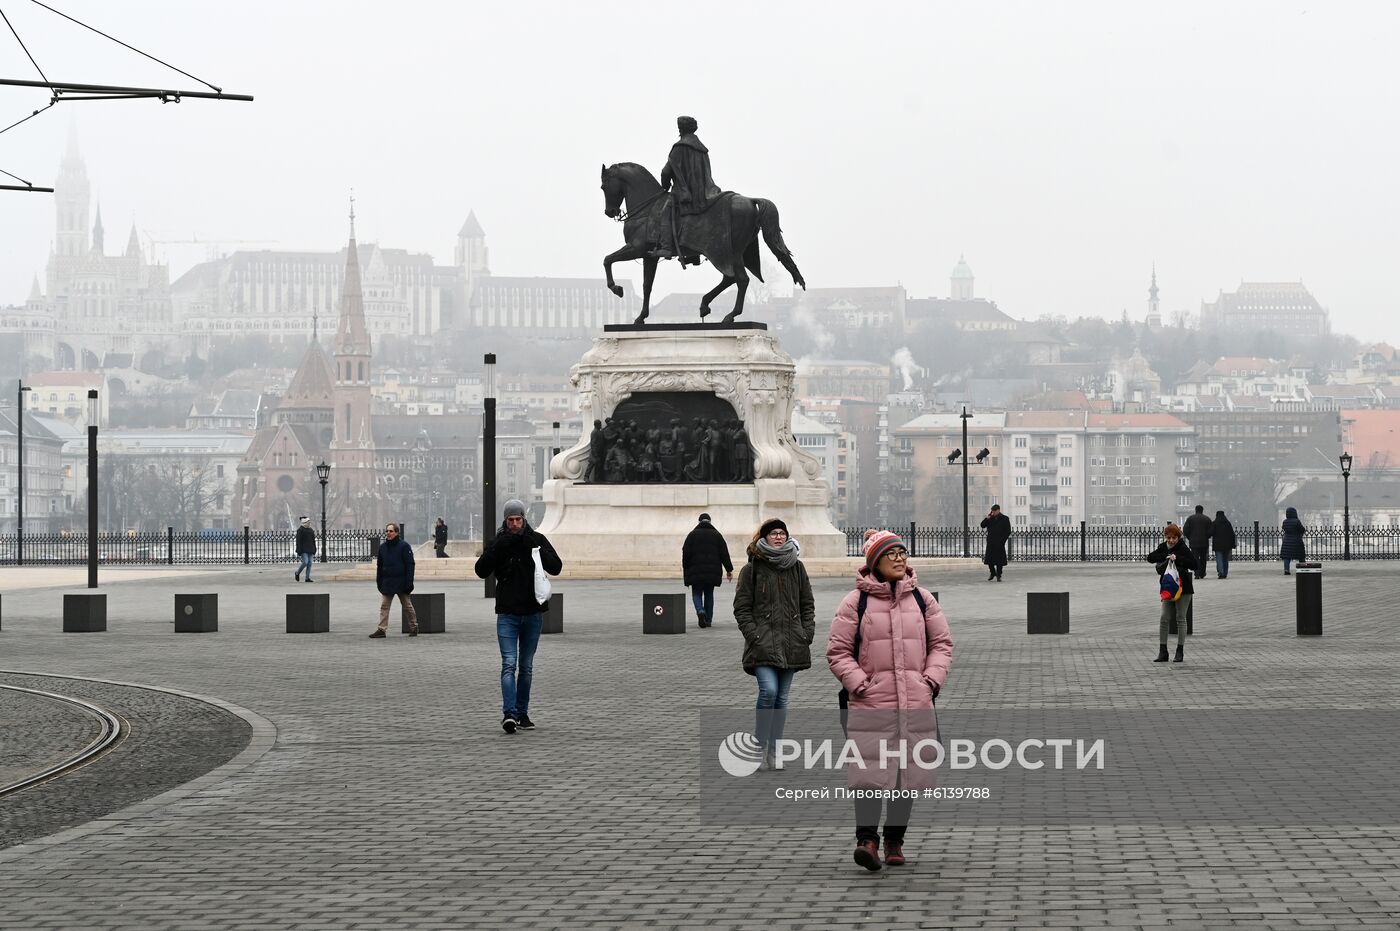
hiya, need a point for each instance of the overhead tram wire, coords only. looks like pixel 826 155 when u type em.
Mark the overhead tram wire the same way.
pixel 27 186
pixel 97 91
pixel 217 90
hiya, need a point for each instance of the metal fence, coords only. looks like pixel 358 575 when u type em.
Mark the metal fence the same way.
pixel 169 547
pixel 1086 543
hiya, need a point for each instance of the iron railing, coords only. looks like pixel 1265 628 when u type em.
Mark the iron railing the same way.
pixel 1084 543
pixel 180 548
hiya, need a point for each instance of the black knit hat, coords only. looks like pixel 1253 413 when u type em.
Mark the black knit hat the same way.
pixel 705 518
pixel 770 525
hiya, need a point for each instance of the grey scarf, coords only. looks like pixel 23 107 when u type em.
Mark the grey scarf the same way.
pixel 784 557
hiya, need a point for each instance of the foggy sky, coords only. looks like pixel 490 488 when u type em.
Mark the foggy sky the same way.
pixel 1063 148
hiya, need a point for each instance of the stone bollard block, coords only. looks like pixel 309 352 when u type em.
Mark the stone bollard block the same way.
pixel 197 614
pixel 431 608
pixel 1047 612
pixel 309 613
pixel 663 614
pixel 85 613
pixel 554 615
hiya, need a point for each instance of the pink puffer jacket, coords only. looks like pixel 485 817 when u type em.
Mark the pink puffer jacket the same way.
pixel 904 655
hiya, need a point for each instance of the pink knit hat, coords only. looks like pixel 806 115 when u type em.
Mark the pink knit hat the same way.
pixel 877 544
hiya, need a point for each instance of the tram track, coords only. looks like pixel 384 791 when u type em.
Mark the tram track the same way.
pixel 113 728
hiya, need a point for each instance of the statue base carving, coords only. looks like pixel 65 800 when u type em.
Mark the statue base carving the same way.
pixel 633 526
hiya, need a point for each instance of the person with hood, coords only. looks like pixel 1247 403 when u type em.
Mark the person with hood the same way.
pixel 1292 548
pixel 704 556
pixel 777 615
pixel 1197 531
pixel 1174 550
pixel 306 548
pixel 1222 540
pixel 440 538
pixel 998 527
pixel 891 648
pixel 519 616
pixel 393 574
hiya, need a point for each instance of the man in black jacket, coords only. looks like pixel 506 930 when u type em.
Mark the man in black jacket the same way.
pixel 1197 532
pixel 704 555
pixel 393 575
pixel 306 548
pixel 519 617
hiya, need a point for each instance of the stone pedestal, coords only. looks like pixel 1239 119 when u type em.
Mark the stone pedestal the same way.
pixel 84 613
pixel 197 614
pixel 1047 612
pixel 309 614
pixel 431 610
pixel 663 614
pixel 632 526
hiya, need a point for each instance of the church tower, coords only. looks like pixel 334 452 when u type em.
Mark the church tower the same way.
pixel 98 239
pixel 352 449
pixel 960 283
pixel 72 197
pixel 471 256
pixel 1154 311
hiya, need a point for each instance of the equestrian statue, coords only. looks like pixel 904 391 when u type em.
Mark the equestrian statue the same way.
pixel 686 216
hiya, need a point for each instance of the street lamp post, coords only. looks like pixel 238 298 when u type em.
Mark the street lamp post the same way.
pixel 323 475
pixel 1345 460
pixel 488 464
pixel 92 488
pixel 967 543
pixel 19 503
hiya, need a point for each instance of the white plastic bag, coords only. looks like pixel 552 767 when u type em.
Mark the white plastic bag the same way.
pixel 542 586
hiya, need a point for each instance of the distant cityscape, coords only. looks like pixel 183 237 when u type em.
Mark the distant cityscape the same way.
pixel 220 391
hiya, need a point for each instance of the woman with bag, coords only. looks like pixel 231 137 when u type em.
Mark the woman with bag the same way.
pixel 1174 553
pixel 891 649
pixel 777 615
pixel 515 557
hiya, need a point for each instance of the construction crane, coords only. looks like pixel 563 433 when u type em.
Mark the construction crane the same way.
pixel 213 244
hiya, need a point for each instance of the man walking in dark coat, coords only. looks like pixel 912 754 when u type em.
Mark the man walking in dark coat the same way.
pixel 998 527
pixel 1222 540
pixel 703 556
pixel 393 574
pixel 519 618
pixel 306 548
pixel 440 539
pixel 1196 529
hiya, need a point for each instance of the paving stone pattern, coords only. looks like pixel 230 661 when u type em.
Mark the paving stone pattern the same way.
pixel 391 799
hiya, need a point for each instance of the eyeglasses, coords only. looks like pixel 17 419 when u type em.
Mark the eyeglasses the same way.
pixel 898 554
pixel 777 533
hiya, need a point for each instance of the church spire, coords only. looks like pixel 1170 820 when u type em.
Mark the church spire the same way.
pixel 352 337
pixel 1154 313
pixel 97 243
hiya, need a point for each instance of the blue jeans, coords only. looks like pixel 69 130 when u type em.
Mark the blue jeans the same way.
pixel 519 637
pixel 771 711
pixel 704 598
pixel 306 560
pixel 1222 564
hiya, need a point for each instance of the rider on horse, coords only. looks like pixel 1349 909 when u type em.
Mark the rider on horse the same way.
pixel 688 169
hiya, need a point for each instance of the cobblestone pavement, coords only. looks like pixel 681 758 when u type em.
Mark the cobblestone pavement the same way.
pixel 391 799
pixel 37 732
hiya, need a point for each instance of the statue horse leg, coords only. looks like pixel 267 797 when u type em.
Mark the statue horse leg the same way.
pixel 648 276
pixel 626 254
pixel 714 292
pixel 741 279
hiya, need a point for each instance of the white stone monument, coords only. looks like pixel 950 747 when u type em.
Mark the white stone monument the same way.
pixel 639 528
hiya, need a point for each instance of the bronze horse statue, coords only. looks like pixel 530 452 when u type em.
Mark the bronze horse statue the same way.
pixel 726 234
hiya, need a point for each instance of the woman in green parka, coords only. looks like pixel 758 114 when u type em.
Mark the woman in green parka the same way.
pixel 777 615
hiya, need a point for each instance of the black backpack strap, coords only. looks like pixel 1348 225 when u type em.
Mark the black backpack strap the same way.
pixel 919 599
pixel 860 616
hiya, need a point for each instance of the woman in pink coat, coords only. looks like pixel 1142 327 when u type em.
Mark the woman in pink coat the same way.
pixel 893 660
